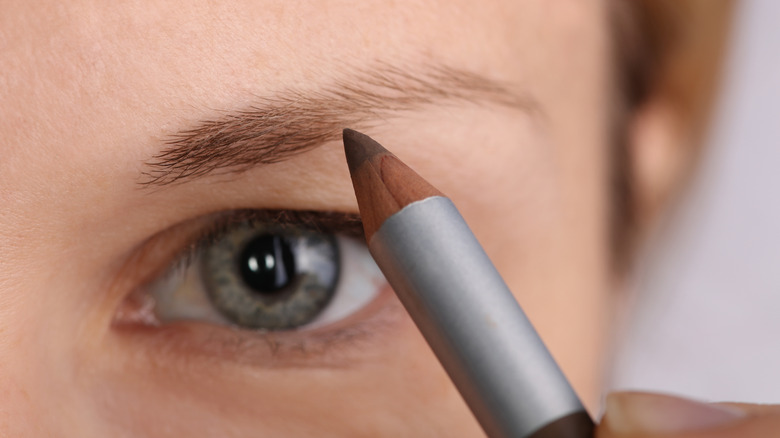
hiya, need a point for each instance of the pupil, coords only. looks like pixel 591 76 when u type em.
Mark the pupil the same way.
pixel 267 264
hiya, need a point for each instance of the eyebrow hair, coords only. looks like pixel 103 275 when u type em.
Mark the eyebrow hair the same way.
pixel 293 121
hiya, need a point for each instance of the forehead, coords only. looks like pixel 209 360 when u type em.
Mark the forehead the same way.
pixel 90 77
pixel 252 44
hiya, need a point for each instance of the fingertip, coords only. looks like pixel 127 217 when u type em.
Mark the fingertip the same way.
pixel 633 413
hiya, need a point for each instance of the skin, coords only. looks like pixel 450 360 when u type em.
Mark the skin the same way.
pixel 90 92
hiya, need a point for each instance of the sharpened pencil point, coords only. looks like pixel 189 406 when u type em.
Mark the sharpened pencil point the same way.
pixel 360 148
pixel 383 184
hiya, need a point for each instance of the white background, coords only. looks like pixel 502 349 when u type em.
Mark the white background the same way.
pixel 706 314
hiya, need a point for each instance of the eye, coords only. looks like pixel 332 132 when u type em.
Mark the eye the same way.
pixel 271 278
pixel 268 274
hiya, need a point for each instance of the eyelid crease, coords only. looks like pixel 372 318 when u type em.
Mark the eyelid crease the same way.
pixel 326 222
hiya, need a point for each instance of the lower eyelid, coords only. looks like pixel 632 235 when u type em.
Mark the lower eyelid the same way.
pixel 346 343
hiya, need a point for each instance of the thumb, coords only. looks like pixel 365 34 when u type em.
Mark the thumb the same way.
pixel 647 415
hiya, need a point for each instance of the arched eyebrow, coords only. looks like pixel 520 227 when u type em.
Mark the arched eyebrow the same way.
pixel 294 121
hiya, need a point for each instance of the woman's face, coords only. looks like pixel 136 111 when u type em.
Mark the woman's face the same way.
pixel 504 106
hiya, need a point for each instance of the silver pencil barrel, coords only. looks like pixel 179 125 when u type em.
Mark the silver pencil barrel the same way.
pixel 471 320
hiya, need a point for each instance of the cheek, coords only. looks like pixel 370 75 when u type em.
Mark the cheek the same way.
pixel 37 370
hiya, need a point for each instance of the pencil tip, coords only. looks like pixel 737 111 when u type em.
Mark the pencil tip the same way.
pixel 383 184
pixel 359 148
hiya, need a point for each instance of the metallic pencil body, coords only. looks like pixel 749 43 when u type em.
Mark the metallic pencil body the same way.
pixel 472 321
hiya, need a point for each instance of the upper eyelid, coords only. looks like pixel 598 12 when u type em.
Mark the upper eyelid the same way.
pixel 322 221
pixel 330 222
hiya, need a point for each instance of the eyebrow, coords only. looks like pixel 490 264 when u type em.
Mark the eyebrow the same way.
pixel 293 121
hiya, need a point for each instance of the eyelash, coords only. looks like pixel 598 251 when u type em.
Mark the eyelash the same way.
pixel 268 348
pixel 346 224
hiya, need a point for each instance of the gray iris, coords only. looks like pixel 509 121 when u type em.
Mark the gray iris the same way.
pixel 272 278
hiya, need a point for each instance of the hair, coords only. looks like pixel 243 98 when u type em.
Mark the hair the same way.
pixel 670 50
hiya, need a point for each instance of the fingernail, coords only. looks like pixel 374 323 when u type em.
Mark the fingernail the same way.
pixel 640 412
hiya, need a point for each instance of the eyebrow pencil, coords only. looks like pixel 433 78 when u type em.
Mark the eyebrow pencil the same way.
pixel 459 302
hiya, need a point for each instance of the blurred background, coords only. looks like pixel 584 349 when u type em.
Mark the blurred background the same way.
pixel 704 314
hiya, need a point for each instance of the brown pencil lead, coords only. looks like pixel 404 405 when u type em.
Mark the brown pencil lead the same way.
pixel 360 148
pixel 383 184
